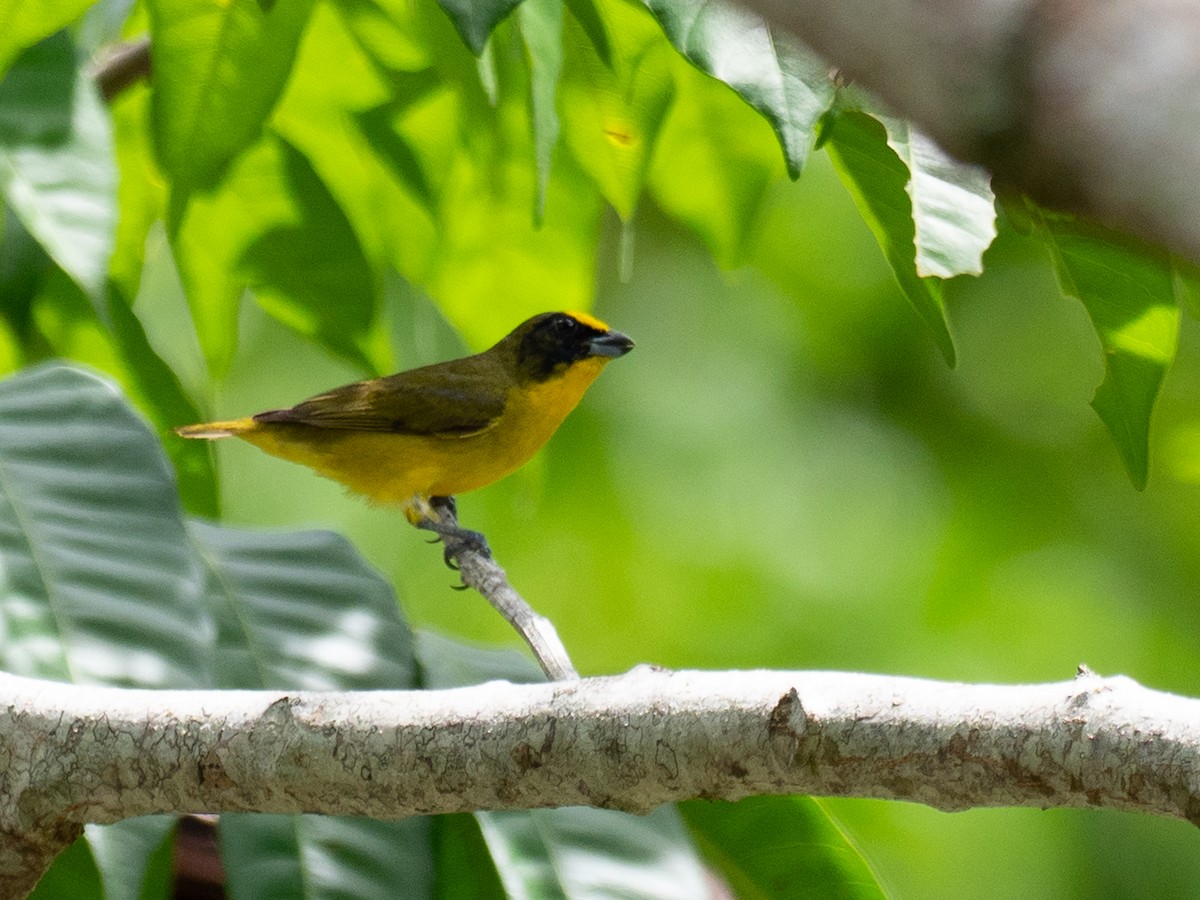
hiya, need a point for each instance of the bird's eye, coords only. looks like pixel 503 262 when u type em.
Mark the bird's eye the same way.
pixel 564 325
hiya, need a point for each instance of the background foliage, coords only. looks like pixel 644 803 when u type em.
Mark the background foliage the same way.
pixel 785 473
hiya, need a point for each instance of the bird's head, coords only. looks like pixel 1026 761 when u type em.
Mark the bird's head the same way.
pixel 549 344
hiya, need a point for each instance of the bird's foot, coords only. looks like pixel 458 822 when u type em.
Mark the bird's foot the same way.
pixel 441 517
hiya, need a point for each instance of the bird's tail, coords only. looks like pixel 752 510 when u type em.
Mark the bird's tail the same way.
pixel 213 430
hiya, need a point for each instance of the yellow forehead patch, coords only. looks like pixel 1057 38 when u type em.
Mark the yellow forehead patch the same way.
pixel 585 319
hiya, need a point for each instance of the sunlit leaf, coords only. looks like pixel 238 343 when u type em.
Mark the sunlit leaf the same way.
pixel 1128 290
pixel 464 867
pixel 714 164
pixel 100 584
pixel 878 181
pixel 770 71
pixel 56 161
pixel 25 22
pixel 219 67
pixel 612 112
pixel 72 876
pixel 271 225
pixel 780 848
pixel 953 208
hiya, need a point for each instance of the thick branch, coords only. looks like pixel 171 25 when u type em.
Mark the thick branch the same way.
pixel 1093 107
pixel 72 754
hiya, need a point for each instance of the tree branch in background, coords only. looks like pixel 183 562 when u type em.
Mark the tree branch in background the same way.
pixel 121 66
pixel 71 754
pixel 481 572
pixel 1086 107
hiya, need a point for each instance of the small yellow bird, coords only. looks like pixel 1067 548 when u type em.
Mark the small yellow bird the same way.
pixel 417 438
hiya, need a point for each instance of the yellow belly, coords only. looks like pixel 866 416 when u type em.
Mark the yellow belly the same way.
pixel 402 468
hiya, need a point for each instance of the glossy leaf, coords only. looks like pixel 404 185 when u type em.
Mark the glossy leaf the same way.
pixel 878 181
pixel 1129 292
pixel 571 851
pixel 774 74
pixel 780 848
pixel 57 171
pixel 100 582
pixel 218 70
pixel 954 210
pixel 303 611
pixel 25 22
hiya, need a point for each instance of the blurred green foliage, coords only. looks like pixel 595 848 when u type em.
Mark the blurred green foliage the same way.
pixel 785 473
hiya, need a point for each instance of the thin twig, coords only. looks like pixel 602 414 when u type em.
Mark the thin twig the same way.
pixel 481 572
pixel 122 66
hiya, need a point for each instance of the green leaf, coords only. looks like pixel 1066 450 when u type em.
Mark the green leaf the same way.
pixel 272 225
pixel 100 582
pixel 775 75
pixel 72 876
pixel 954 209
pixel 57 171
pixel 878 181
pixel 303 611
pixel 572 851
pixel 612 111
pixel 218 70
pixel 715 162
pixel 780 848
pixel 316 857
pixel 464 869
pixel 475 19
pixel 134 856
pixel 1129 292
pixel 25 22
pixel 542 30
pixel 583 852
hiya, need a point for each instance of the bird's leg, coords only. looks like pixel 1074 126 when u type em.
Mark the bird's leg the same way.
pixel 440 515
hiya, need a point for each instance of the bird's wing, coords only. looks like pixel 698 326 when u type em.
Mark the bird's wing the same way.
pixel 442 400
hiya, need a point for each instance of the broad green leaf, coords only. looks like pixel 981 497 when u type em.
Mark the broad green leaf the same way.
pixel 542 30
pixel 316 857
pixel 100 582
pixel 1128 290
pixel 780 848
pixel 219 67
pixel 25 22
pixel 24 266
pixel 571 851
pixel 72 876
pixel 303 611
pixel 56 161
pixel 877 179
pixel 779 78
pixel 271 225
pixel 953 207
pixel 341 113
pixel 475 19
pixel 134 857
pixel 714 163
pixel 612 113
pixel 464 869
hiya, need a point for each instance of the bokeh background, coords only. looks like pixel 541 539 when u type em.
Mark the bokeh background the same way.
pixel 785 473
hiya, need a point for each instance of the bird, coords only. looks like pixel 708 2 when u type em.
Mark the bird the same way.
pixel 416 439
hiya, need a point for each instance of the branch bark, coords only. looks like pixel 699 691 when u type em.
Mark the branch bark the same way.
pixel 1088 107
pixel 71 754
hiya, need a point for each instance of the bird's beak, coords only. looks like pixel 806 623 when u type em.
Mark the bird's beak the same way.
pixel 611 344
